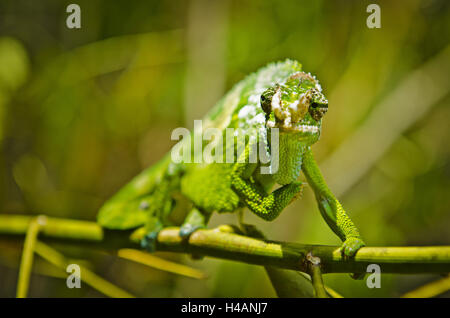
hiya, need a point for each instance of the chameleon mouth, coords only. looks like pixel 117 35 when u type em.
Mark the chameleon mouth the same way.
pixel 311 129
pixel 307 129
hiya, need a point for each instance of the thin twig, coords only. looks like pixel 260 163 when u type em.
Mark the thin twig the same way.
pixel 159 263
pixel 26 263
pixel 332 293
pixel 431 289
pixel 316 276
pixel 89 277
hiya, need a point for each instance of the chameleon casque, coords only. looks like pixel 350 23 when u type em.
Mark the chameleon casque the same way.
pixel 279 96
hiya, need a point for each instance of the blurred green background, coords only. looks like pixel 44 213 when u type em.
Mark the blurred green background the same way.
pixel 84 110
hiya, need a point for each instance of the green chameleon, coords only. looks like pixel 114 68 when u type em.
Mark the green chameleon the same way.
pixel 278 96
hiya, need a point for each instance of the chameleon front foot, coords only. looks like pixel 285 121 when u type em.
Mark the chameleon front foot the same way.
pixel 187 229
pixel 348 249
pixel 350 246
pixel 195 220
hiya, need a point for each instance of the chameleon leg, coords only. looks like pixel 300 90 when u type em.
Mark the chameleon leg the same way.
pixel 152 228
pixel 330 208
pixel 266 206
pixel 160 207
pixel 195 220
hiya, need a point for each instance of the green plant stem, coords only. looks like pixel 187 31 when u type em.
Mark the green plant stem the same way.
pixel 54 227
pixel 293 256
pixel 316 276
pixel 232 246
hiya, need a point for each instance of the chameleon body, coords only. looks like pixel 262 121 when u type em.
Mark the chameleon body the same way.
pixel 278 96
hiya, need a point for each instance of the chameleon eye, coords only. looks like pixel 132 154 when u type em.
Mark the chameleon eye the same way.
pixel 144 205
pixel 265 104
pixel 317 111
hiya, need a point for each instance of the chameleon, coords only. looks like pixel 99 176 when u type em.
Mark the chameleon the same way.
pixel 278 96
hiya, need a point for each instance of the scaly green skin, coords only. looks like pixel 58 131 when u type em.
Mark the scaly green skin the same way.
pixel 277 96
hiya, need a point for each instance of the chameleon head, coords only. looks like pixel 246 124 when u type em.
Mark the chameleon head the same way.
pixel 296 107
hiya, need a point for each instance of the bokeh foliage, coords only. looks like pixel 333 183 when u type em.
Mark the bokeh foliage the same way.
pixel 83 111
